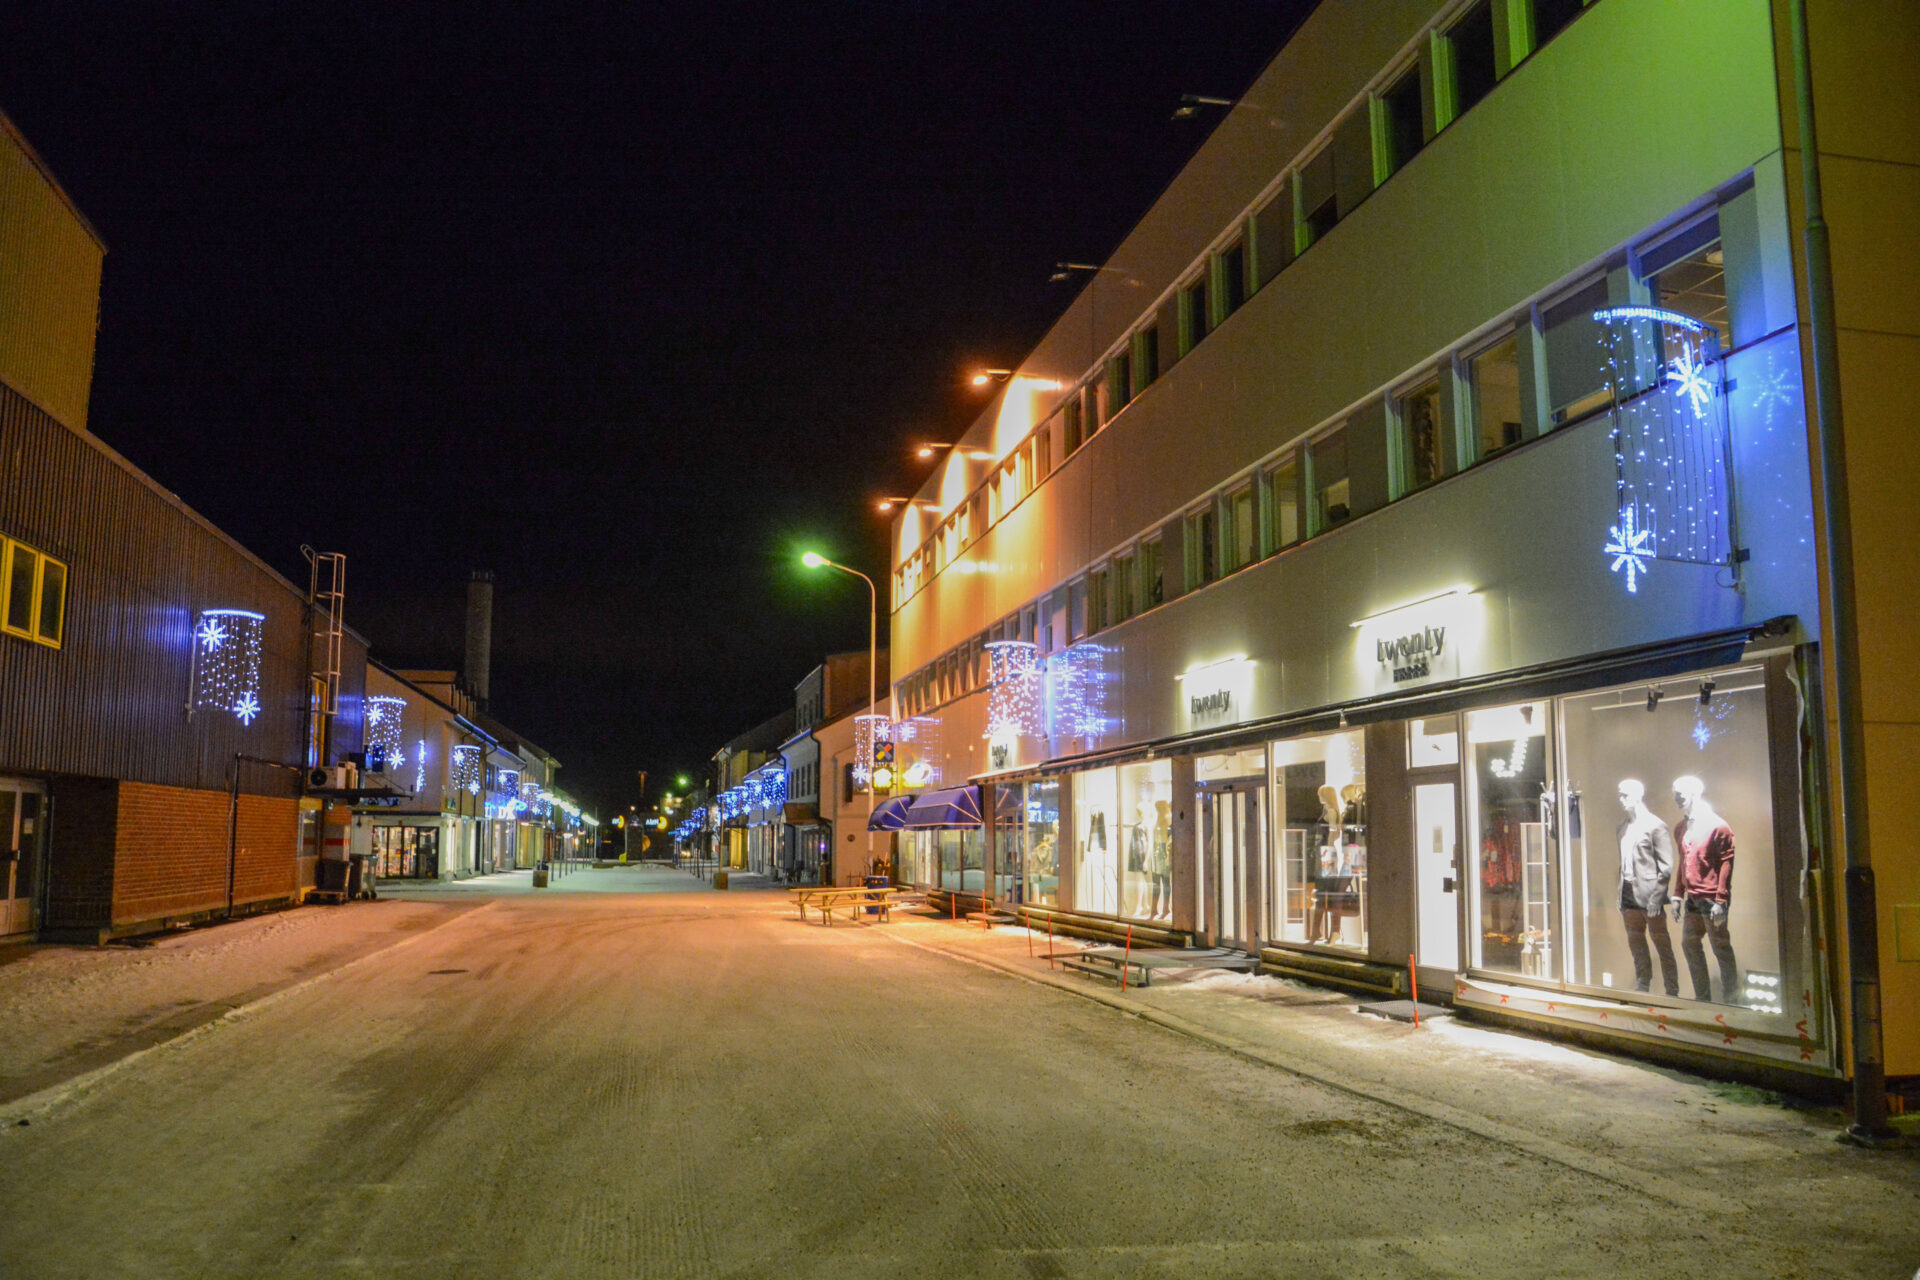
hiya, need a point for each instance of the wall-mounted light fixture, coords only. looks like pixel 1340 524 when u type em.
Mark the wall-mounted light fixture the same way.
pixel 1190 104
pixel 888 504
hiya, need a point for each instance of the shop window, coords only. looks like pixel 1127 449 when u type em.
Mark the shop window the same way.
pixel 1196 319
pixel 1319 795
pixel 1687 273
pixel 1433 742
pixel 1123 841
pixel 1576 357
pixel 1042 812
pixel 1510 814
pixel 1327 480
pixel 1661 792
pixel 1233 278
pixel 1493 376
pixel 1319 200
pixel 1273 235
pixel 1152 585
pixel 1551 17
pixel 1239 545
pixel 1203 547
pixel 1470 50
pixel 1422 437
pixel 1282 511
pixel 1402 130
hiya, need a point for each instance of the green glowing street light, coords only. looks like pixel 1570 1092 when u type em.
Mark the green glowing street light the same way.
pixel 814 560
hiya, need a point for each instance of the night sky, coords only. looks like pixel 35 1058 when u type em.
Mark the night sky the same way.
pixel 627 303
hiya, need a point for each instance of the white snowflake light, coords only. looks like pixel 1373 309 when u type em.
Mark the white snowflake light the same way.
pixel 225 672
pixel 1689 376
pixel 213 633
pixel 1630 546
pixel 247 708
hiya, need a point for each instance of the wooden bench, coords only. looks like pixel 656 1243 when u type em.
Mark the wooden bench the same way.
pixel 828 898
pixel 1111 965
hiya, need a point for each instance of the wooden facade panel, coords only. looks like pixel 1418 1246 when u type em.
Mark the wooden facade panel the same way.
pixel 49 287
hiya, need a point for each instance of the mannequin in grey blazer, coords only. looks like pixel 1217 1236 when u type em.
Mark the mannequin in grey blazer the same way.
pixel 1646 871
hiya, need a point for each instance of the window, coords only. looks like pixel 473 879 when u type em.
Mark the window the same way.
pixel 1233 278
pixel 1422 438
pixel 1097 600
pixel 1550 18
pixel 1687 273
pixel 1493 376
pixel 1241 525
pixel 1073 422
pixel 1121 585
pixel 1402 130
pixel 1146 358
pixel 1282 484
pixel 1195 318
pixel 1327 480
pixel 1203 547
pixel 1319 202
pixel 1152 586
pixel 1077 610
pixel 1469 44
pixel 1119 384
pixel 1042 455
pixel 1576 356
pixel 33 594
pixel 1122 822
pixel 1516 890
pixel 1319 789
pixel 1273 235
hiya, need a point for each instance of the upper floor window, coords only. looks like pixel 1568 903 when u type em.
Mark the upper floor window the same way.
pixel 1469 53
pixel 1550 18
pixel 1273 235
pixel 1152 585
pixel 1196 317
pixel 33 594
pixel 1281 486
pixel 1327 480
pixel 1493 385
pixel 1577 383
pixel 1119 384
pixel 1687 273
pixel 1319 201
pixel 1239 546
pixel 1233 277
pixel 1402 126
pixel 1146 357
pixel 1203 546
pixel 1073 424
pixel 1120 590
pixel 1420 436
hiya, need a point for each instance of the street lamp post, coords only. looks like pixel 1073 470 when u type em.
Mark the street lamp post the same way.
pixel 813 560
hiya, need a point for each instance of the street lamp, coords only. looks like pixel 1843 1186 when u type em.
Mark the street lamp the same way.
pixel 814 560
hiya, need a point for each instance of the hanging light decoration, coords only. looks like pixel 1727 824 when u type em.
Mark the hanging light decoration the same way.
pixel 1016 691
pixel 466 769
pixel 384 716
pixel 225 673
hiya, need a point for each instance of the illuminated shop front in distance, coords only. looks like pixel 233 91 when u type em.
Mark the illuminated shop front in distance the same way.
pixel 1463 613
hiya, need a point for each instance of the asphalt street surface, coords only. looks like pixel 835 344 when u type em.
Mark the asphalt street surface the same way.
pixel 700 1085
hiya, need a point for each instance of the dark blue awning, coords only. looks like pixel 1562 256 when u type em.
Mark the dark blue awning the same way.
pixel 890 814
pixel 944 810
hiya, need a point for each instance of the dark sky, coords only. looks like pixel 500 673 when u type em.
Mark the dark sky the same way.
pixel 629 303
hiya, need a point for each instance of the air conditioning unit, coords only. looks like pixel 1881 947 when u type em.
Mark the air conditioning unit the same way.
pixel 328 778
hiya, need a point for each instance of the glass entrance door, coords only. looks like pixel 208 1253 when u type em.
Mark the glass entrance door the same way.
pixel 21 806
pixel 1230 834
pixel 1437 873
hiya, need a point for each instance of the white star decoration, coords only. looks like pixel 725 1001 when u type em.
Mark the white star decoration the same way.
pixel 247 708
pixel 1631 546
pixel 1688 374
pixel 212 633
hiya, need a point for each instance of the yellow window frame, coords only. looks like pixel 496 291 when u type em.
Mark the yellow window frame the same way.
pixel 10 550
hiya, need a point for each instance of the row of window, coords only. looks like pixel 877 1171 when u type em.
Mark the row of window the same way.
pixel 1452 67
pixel 1540 368
pixel 33 594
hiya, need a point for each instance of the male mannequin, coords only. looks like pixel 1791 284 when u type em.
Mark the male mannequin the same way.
pixel 1646 869
pixel 1706 888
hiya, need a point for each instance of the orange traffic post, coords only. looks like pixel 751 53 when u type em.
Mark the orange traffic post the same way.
pixel 1413 978
pixel 1049 942
pixel 1128 960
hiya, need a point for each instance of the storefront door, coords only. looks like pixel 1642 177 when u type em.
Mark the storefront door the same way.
pixel 21 830
pixel 1437 871
pixel 1230 836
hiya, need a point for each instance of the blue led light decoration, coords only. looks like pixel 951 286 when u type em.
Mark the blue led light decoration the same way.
pixel 225 672
pixel 1017 693
pixel 419 766
pixel 868 731
pixel 466 769
pixel 1671 443
pixel 384 723
pixel 1079 678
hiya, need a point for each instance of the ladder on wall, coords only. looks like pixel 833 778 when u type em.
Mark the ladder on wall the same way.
pixel 326 599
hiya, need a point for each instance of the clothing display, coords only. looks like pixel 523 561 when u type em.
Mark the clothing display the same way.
pixel 1646 868
pixel 1706 890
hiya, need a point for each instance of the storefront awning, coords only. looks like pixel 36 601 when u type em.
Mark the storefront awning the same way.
pixel 890 814
pixel 948 809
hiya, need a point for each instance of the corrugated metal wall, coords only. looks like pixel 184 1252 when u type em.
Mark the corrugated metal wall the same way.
pixel 49 287
pixel 112 701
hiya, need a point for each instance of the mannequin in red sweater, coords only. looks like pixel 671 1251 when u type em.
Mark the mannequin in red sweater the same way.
pixel 1705 844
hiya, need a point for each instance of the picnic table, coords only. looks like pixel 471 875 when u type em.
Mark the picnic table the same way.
pixel 827 898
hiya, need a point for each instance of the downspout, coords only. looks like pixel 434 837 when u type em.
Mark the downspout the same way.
pixel 1870 1127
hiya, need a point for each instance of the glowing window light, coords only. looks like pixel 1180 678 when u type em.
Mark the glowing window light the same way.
pixel 225 671
pixel 384 716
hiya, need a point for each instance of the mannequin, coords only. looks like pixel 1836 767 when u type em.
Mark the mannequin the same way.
pixel 1135 879
pixel 1706 889
pixel 1329 894
pixel 1160 860
pixel 1646 870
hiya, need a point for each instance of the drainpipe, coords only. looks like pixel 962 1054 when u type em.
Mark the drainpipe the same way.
pixel 1870 1127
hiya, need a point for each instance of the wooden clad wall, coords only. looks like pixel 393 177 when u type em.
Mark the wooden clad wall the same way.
pixel 49 286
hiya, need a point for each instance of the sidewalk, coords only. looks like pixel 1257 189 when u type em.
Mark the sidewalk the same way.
pixel 1637 1125
pixel 71 1010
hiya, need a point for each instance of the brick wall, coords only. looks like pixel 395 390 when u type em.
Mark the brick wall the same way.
pixel 171 851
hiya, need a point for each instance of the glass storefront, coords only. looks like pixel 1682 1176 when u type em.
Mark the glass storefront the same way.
pixel 961 865
pixel 1042 809
pixel 1233 869
pixel 1319 790
pixel 1123 822
pixel 406 853
pixel 1510 811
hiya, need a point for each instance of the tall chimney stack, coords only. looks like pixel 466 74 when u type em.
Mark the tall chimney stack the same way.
pixel 480 633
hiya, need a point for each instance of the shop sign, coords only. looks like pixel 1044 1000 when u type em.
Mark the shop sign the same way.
pixel 1215 693
pixel 1414 643
pixel 1411 657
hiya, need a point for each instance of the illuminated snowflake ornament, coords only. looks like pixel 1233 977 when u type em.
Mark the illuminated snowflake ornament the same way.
pixel 1689 376
pixel 213 633
pixel 247 708
pixel 1630 546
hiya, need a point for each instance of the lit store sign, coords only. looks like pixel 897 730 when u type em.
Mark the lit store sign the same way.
pixel 1416 642
pixel 1217 692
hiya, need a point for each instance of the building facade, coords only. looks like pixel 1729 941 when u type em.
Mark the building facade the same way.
pixel 1403 554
